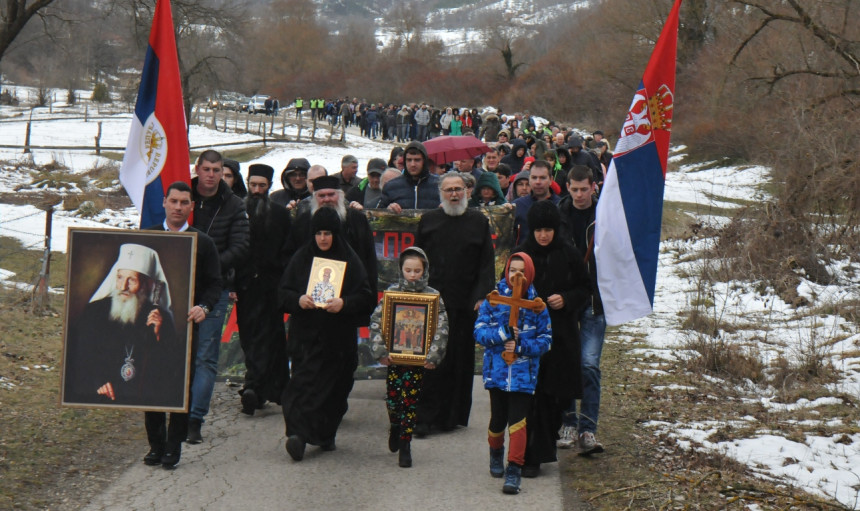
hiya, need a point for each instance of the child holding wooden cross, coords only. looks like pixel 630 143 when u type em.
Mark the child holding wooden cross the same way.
pixel 514 328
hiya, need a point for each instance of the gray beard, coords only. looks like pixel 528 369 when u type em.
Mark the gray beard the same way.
pixel 452 209
pixel 124 310
pixel 340 208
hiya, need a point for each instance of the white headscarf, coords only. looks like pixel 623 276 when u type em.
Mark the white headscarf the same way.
pixel 142 260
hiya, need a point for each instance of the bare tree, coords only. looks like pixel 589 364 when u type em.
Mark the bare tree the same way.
pixel 205 40
pixel 14 15
pixel 501 38
pixel 825 28
pixel 409 22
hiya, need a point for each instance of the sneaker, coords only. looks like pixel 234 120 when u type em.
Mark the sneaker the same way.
pixel 512 480
pixel 588 444
pixel 497 462
pixel 567 438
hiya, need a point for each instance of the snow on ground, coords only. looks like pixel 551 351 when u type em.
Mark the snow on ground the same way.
pixel 819 463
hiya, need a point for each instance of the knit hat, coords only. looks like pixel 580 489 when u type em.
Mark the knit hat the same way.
pixel 325 219
pixel 543 214
pixel 528 273
pixel 324 182
pixel 376 166
pixel 262 170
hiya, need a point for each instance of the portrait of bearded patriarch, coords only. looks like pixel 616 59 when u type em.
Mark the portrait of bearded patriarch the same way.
pixel 123 349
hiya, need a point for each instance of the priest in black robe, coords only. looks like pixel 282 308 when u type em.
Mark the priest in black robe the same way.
pixel 315 400
pixel 260 318
pixel 462 266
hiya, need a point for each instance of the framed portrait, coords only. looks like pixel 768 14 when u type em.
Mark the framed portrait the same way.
pixel 408 325
pixel 126 338
pixel 326 280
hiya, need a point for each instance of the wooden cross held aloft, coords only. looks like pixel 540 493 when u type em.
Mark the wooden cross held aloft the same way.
pixel 515 301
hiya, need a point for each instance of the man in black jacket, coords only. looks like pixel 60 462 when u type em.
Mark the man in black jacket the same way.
pixel 417 188
pixel 221 215
pixel 165 441
pixel 261 322
pixel 577 216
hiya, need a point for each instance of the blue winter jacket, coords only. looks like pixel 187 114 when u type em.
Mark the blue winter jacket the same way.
pixel 535 340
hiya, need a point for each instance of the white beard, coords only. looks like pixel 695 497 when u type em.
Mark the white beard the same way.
pixel 454 209
pixel 124 309
pixel 340 208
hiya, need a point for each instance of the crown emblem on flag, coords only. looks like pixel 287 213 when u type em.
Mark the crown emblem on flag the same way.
pixel 660 107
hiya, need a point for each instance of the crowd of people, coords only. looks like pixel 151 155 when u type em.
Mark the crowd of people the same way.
pixel 547 395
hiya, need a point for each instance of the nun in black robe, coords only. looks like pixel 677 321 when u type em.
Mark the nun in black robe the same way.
pixel 315 400
pixel 559 270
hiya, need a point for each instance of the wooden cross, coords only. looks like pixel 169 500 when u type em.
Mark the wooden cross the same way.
pixel 515 301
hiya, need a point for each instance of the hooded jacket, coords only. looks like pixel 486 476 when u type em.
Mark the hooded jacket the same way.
pixel 491 180
pixel 413 193
pixel 535 339
pixel 288 194
pixel 512 160
pixel 436 353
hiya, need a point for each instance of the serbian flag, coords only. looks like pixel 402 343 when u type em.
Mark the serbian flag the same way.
pixel 630 210
pixel 157 151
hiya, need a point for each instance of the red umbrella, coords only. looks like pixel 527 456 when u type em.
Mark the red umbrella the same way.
pixel 450 148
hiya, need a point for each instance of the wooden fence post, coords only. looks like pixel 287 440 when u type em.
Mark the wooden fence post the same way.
pixel 98 140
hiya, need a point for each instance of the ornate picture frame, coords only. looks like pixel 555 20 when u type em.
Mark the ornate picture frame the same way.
pixel 408 325
pixel 112 355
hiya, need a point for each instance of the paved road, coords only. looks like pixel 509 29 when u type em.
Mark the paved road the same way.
pixel 242 464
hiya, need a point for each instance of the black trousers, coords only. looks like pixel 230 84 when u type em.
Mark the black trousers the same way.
pixel 446 398
pixel 164 436
pixel 263 338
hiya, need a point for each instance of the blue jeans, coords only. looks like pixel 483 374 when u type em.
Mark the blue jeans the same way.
pixel 422 133
pixel 591 331
pixel 207 358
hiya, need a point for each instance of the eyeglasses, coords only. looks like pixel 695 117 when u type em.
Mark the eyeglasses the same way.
pixel 452 191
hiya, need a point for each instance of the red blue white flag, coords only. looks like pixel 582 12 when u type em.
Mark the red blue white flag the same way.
pixel 157 151
pixel 630 210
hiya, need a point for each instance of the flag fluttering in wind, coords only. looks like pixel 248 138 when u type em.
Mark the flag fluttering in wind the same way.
pixel 157 151
pixel 630 209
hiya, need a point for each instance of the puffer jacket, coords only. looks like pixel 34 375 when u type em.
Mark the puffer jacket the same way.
pixel 224 219
pixel 535 340
pixel 438 345
pixel 413 193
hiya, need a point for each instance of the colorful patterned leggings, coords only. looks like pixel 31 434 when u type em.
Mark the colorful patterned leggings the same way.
pixel 401 398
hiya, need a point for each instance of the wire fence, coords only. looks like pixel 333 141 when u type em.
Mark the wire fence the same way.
pixel 24 265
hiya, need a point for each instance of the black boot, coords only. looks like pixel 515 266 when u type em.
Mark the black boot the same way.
pixel 394 437
pixel 172 453
pixel 405 460
pixel 194 435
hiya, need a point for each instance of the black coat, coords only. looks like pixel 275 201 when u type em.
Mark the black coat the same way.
pixel 577 226
pixel 325 344
pixel 268 252
pixel 358 234
pixel 223 218
pixel 460 252
pixel 559 269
